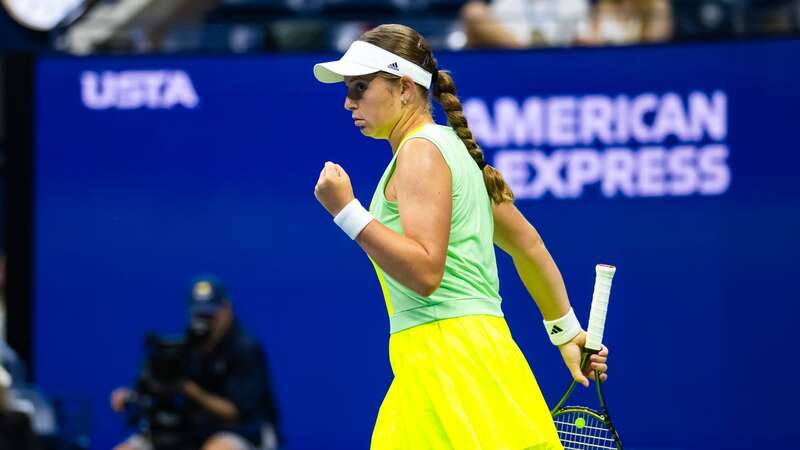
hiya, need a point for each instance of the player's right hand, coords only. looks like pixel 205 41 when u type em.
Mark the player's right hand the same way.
pixel 119 397
pixel 333 190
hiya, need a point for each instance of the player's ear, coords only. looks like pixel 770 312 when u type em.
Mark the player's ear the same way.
pixel 407 88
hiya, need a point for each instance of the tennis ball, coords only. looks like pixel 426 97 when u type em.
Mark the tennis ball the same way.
pixel 580 422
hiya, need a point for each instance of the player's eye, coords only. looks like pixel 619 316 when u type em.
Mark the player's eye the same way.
pixel 356 89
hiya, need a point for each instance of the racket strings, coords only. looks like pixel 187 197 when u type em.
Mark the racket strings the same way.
pixel 579 431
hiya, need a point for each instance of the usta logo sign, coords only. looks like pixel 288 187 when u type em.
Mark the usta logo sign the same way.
pixel 134 89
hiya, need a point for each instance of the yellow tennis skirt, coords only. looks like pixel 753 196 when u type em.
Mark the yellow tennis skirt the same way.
pixel 462 384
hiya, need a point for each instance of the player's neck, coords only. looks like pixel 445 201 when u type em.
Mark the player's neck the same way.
pixel 406 125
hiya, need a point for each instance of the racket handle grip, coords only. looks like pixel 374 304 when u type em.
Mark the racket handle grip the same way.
pixel 597 316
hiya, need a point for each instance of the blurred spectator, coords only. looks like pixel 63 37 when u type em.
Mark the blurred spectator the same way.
pixel 16 431
pixel 22 397
pixel 523 23
pixel 772 16
pixel 19 395
pixel 220 398
pixel 526 23
pixel 620 22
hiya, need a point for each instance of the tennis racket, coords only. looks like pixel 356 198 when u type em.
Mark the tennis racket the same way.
pixel 580 427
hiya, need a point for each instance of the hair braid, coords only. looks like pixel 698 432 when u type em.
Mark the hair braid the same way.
pixel 408 43
pixel 445 93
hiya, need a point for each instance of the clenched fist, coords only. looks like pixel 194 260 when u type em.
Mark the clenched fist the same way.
pixel 333 189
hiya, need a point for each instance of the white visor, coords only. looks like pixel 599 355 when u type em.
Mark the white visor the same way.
pixel 363 58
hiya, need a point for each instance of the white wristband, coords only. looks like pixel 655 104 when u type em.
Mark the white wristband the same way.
pixel 563 329
pixel 353 218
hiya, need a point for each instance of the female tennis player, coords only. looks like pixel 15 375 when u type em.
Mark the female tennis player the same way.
pixel 460 381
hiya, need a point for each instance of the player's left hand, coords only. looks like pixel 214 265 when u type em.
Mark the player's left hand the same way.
pixel 333 190
pixel 572 351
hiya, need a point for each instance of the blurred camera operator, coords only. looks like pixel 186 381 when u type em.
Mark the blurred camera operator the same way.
pixel 220 396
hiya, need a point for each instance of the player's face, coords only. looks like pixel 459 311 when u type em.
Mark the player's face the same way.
pixel 374 103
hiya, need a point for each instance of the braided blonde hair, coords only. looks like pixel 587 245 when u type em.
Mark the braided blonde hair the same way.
pixel 409 44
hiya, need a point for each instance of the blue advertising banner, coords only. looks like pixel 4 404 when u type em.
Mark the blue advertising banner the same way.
pixel 675 163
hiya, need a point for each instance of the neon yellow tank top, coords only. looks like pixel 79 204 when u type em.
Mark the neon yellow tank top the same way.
pixel 470 284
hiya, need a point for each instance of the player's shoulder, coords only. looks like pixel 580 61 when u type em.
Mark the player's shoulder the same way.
pixel 419 153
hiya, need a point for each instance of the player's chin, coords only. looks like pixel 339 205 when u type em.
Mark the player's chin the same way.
pixel 368 131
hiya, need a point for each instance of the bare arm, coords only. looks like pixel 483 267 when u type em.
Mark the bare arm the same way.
pixel 415 258
pixel 517 237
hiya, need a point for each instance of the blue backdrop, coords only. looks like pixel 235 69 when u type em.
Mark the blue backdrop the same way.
pixel 676 163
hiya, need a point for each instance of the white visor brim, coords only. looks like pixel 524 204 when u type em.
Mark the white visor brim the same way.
pixel 335 71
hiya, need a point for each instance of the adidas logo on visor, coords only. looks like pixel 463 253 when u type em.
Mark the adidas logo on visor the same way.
pixel 393 66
